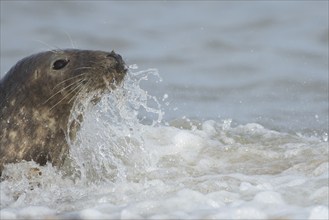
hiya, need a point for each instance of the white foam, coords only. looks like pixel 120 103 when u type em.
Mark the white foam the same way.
pixel 248 213
pixel 319 212
pixel 30 212
pixel 269 197
pixel 8 214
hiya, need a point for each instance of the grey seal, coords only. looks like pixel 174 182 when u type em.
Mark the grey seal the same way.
pixel 37 96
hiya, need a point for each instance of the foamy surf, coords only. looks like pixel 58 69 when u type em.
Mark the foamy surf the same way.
pixel 129 164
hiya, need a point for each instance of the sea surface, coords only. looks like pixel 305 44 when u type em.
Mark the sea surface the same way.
pixel 223 113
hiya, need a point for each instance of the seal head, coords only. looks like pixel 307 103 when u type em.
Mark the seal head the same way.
pixel 37 96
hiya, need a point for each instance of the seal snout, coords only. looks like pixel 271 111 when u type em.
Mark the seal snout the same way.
pixel 115 56
pixel 120 66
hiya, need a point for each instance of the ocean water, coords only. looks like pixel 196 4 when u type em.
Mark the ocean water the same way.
pixel 223 114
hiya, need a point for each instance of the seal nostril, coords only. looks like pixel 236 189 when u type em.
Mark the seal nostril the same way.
pixel 117 57
pixel 111 54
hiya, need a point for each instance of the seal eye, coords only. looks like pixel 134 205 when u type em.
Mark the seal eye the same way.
pixel 59 64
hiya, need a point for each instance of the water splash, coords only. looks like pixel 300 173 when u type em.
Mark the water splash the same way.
pixel 110 138
pixel 129 165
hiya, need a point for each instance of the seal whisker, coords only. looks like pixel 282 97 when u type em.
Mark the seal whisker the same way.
pixel 59 91
pixel 74 77
pixel 53 49
pixel 85 67
pixel 63 89
pixel 71 91
pixel 78 92
pixel 71 40
pixel 80 75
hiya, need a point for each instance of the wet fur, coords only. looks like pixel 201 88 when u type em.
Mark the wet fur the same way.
pixel 36 101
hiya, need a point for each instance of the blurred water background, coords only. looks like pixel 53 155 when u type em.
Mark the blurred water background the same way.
pixel 264 62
